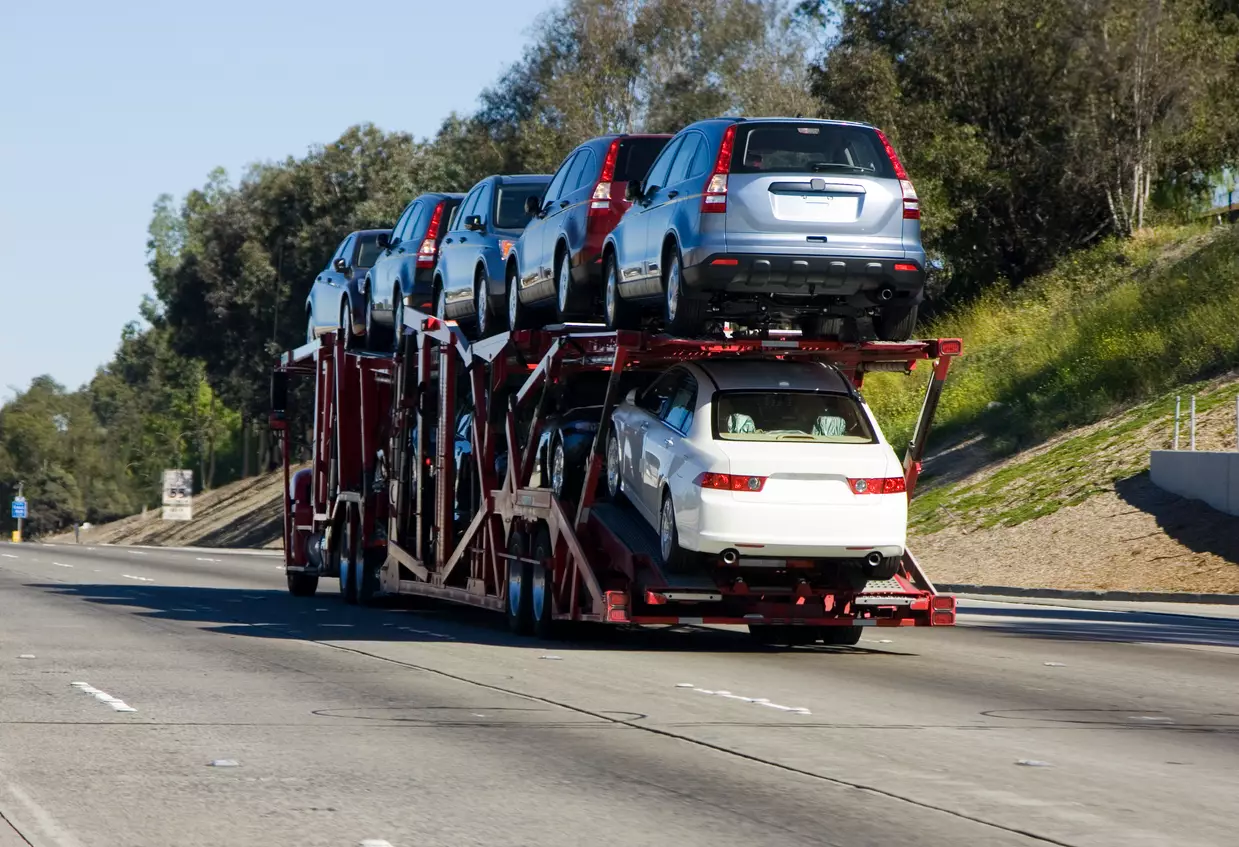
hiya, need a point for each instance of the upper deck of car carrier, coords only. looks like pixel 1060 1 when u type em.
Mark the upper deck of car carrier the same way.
pixel 421 482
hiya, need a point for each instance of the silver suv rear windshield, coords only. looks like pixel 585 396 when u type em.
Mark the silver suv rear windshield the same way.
pixel 791 416
pixel 809 148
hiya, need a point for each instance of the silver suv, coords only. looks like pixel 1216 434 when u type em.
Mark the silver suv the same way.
pixel 767 220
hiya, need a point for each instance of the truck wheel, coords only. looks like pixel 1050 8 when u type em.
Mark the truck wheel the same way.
pixel 841 636
pixel 520 596
pixel 542 585
pixel 683 314
pixel 617 312
pixel 366 575
pixel 896 323
pixel 348 560
pixel 302 584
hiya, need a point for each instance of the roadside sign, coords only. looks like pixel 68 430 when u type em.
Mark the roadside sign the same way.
pixel 19 507
pixel 178 495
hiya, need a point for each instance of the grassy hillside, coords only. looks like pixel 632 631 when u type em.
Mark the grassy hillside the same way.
pixel 1114 333
pixel 1112 325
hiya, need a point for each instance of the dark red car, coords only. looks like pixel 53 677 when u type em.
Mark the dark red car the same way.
pixel 557 262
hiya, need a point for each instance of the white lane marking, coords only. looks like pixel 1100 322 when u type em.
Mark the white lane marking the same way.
pixel 684 685
pixel 205 559
pixel 225 763
pixel 26 656
pixel 1033 763
pixel 116 703
pixel 61 565
pixel 757 701
pixel 425 632
pixel 138 578
pixel 373 842
pixel 57 835
pixel 138 553
pixel 8 555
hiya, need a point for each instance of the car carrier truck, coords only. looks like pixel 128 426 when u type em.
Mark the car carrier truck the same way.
pixel 422 482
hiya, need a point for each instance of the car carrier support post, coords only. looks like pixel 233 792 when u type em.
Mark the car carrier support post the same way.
pixel 920 435
pixel 596 450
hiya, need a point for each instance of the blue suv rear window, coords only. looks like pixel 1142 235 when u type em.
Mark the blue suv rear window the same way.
pixel 809 148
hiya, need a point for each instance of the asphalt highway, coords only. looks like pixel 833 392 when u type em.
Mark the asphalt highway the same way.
pixel 182 698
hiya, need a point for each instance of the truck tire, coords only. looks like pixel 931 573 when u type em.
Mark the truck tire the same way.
pixel 366 575
pixel 542 585
pixel 348 560
pixel 896 323
pixel 520 598
pixel 841 636
pixel 302 584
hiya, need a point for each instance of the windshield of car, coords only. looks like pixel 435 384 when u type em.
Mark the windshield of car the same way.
pixel 634 157
pixel 810 148
pixel 369 250
pixel 510 204
pixel 791 416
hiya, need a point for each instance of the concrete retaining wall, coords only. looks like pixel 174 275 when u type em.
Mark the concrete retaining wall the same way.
pixel 1198 475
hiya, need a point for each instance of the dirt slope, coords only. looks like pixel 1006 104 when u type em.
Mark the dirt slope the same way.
pixel 1079 511
pixel 242 514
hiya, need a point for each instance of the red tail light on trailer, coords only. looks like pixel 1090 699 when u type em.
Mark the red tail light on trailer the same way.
pixel 911 203
pixel 429 251
pixel 600 202
pixel 730 482
pixel 881 485
pixel 714 199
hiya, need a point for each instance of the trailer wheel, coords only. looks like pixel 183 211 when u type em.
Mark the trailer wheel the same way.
pixel 841 636
pixel 302 584
pixel 520 596
pixel 348 559
pixel 542 585
pixel 366 575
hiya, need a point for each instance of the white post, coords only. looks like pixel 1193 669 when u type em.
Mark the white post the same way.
pixel 1178 402
pixel 1193 421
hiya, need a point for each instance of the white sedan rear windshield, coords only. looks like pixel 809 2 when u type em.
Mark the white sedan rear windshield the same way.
pixel 791 416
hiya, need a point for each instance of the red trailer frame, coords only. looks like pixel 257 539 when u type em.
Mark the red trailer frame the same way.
pixel 378 506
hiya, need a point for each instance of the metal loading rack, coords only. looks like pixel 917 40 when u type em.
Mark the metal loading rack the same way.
pixel 421 483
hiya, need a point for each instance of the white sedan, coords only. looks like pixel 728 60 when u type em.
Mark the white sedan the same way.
pixel 750 460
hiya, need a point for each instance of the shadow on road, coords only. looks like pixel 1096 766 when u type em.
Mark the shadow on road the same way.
pixel 1107 626
pixel 272 613
pixel 1192 523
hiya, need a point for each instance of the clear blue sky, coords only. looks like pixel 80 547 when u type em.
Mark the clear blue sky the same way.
pixel 103 106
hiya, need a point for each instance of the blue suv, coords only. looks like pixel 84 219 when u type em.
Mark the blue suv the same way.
pixel 771 219
pixel 469 276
